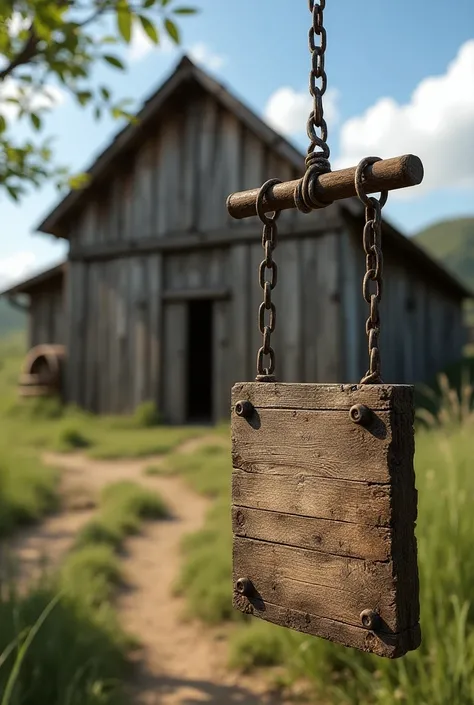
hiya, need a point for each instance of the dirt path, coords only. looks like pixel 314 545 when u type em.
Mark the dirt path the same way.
pixel 180 662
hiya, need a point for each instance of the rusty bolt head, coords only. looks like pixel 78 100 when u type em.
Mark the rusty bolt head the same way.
pixel 244 409
pixel 370 619
pixel 360 414
pixel 244 587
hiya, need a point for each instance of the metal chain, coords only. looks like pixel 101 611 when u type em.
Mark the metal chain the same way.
pixel 317 162
pixel 374 268
pixel 267 327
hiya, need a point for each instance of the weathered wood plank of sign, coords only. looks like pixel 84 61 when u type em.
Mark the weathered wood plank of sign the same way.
pixel 324 511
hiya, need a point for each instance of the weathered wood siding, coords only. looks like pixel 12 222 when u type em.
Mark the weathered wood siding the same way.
pixel 128 312
pixel 156 234
pixel 422 326
pixel 46 317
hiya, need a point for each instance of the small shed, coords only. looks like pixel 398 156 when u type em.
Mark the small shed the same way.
pixel 161 294
pixel 44 294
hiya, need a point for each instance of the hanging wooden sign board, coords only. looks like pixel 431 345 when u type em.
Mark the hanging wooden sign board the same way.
pixel 324 510
pixel 323 493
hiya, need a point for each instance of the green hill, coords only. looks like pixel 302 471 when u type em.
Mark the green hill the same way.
pixel 11 319
pixel 452 243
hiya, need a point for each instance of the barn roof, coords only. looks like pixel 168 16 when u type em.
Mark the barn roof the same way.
pixel 185 72
pixel 46 277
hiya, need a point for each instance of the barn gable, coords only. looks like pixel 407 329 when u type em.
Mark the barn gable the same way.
pixel 170 175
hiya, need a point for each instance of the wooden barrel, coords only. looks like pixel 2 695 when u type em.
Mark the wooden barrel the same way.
pixel 42 371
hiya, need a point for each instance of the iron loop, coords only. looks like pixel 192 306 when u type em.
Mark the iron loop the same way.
pixel 370 277
pixel 359 183
pixel 265 218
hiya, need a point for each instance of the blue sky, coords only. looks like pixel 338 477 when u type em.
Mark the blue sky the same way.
pixel 401 78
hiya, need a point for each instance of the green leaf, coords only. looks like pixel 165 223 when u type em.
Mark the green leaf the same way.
pixel 172 30
pixel 149 3
pixel 3 124
pixel 83 97
pixel 113 61
pixel 13 191
pixel 149 28
pixel 105 93
pixel 164 3
pixel 35 121
pixel 78 181
pixel 124 23
pixel 97 112
pixel 185 11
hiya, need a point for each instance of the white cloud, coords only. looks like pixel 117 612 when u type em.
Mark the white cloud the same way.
pixel 16 267
pixel 36 99
pixel 141 45
pixel 437 125
pixel 287 110
pixel 202 54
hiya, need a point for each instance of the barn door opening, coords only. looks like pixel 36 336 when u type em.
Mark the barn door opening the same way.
pixel 199 362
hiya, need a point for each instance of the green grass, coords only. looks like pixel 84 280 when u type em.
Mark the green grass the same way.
pixel 122 509
pixel 27 489
pixel 79 657
pixel 206 469
pixel 442 670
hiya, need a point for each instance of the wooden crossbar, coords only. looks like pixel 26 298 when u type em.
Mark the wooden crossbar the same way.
pixel 385 175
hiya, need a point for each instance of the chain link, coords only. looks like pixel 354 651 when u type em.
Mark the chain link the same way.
pixel 373 279
pixel 267 325
pixel 317 159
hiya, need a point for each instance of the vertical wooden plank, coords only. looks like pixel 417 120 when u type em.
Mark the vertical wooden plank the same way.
pixel 175 378
pixel 289 338
pixel 103 335
pixel 328 353
pixel 207 162
pixel 221 374
pixel 351 303
pixel 76 313
pixel 123 315
pixel 154 327
pixel 168 176
pixel 309 308
pixel 230 168
pixel 118 325
pixel 190 165
pixel 92 334
pixel 144 198
pixel 240 282
pixel 139 332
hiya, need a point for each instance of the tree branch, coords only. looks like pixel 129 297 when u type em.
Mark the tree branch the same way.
pixel 28 52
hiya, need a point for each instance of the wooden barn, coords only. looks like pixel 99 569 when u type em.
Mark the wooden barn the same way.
pixel 160 297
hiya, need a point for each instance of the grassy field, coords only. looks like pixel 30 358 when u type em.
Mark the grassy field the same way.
pixel 71 651
pixel 79 655
pixel 442 671
pixel 84 626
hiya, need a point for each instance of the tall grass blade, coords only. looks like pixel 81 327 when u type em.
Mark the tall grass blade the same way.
pixel 15 673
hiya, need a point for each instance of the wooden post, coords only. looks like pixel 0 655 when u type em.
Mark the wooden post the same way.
pixel 385 175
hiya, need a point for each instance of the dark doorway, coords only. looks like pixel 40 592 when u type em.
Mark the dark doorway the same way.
pixel 199 362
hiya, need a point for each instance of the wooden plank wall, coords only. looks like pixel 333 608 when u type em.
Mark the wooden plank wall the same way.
pixel 124 313
pixel 47 322
pixel 308 332
pixel 178 180
pixel 422 327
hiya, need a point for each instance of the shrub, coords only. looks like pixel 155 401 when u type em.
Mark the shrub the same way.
pixel 147 415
